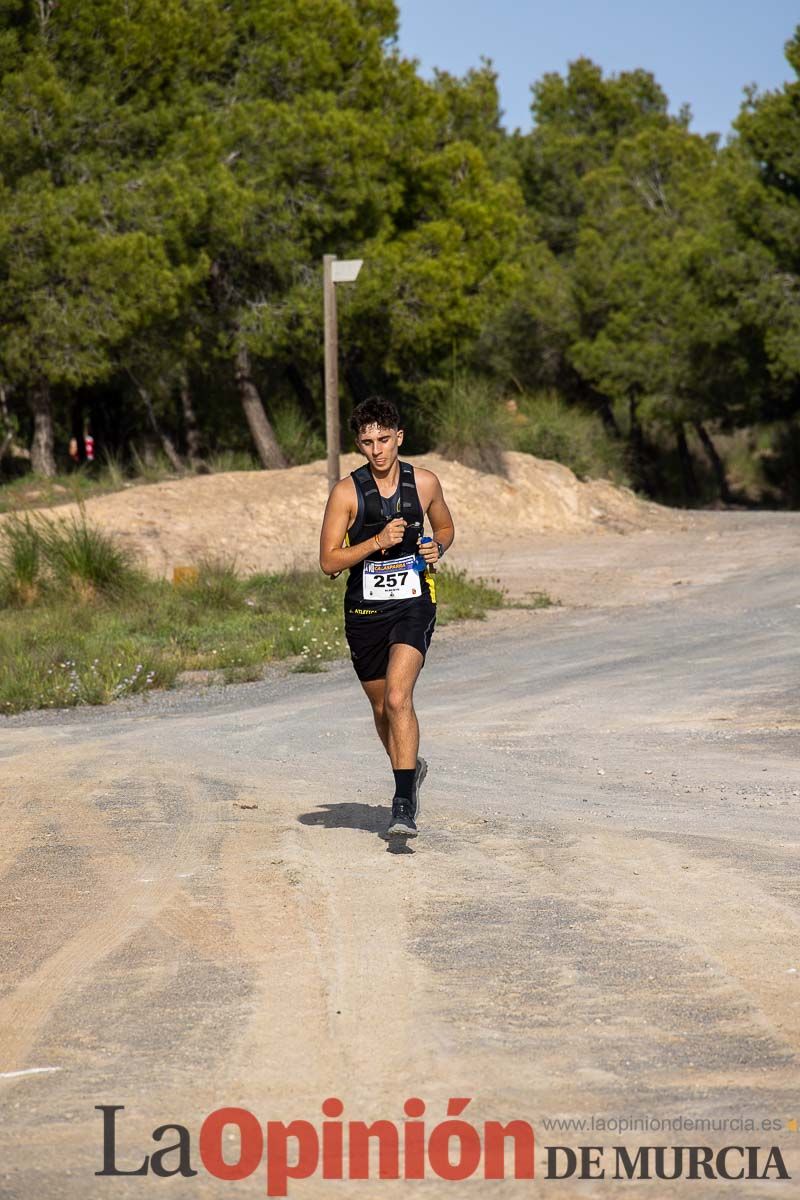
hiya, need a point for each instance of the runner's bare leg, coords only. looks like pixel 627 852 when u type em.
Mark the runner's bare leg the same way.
pixel 405 664
pixel 376 693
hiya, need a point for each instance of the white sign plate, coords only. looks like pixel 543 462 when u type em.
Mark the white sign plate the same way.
pixel 345 270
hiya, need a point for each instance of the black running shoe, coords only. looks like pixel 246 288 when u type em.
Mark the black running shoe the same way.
pixel 419 775
pixel 402 822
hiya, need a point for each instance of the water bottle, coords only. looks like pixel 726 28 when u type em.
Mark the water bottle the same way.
pixel 419 562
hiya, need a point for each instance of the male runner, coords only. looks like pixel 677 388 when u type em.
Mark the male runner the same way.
pixel 373 525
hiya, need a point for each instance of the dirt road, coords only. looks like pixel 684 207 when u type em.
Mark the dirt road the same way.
pixel 601 916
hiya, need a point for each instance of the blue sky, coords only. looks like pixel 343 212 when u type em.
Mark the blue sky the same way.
pixel 701 52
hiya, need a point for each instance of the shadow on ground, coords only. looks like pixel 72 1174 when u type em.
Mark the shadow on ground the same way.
pixel 371 817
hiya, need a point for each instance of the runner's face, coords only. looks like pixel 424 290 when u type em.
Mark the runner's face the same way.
pixel 381 446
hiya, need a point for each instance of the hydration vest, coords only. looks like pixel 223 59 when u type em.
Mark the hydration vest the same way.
pixel 370 520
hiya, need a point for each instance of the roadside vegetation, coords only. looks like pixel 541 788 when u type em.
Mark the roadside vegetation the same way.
pixel 81 623
pixel 609 288
pixel 114 474
pixel 476 423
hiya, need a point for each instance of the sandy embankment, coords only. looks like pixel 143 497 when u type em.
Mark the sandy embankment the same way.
pixel 526 529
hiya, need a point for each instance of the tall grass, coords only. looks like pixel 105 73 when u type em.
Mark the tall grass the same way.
pixel 38 491
pixel 469 422
pixel 86 560
pixel 40 558
pixel 153 467
pixel 763 462
pixel 113 471
pixel 111 474
pixel 21 560
pixel 300 441
pixel 460 598
pixel 545 426
pixel 232 460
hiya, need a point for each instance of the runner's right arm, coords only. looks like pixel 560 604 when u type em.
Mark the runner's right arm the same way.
pixel 333 555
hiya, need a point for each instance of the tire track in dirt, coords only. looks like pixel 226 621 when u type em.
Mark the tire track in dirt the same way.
pixel 323 916
pixel 378 993
pixel 718 911
pixel 344 1005
pixel 276 934
pixel 493 985
pixel 127 900
pixel 21 816
pixel 562 935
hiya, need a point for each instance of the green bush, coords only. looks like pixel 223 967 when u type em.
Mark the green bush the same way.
pixel 547 427
pixel 299 440
pixel 86 560
pixel 763 462
pixel 153 467
pixel 232 460
pixel 113 473
pixel 460 598
pixel 469 422
pixel 38 556
pixel 21 561
pixel 110 474
pixel 218 587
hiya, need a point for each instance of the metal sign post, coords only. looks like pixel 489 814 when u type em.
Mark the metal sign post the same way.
pixel 334 271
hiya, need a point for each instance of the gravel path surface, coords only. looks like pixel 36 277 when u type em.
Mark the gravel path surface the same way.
pixel 600 917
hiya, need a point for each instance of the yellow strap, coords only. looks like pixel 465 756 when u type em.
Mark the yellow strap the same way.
pixel 431 578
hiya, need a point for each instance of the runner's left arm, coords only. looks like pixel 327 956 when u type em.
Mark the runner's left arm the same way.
pixel 441 524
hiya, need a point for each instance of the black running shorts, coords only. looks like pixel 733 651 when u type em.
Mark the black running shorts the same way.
pixel 370 635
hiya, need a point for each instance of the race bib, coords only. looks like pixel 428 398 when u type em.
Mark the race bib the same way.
pixel 396 580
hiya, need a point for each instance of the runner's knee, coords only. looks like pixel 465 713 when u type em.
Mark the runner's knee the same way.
pixel 397 700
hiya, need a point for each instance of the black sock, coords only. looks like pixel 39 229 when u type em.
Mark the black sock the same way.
pixel 404 784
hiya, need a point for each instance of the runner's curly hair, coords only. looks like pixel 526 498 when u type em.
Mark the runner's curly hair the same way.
pixel 374 411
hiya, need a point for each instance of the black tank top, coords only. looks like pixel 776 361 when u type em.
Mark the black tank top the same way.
pixel 374 512
pixel 390 505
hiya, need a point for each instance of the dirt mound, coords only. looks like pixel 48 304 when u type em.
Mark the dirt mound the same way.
pixel 269 520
